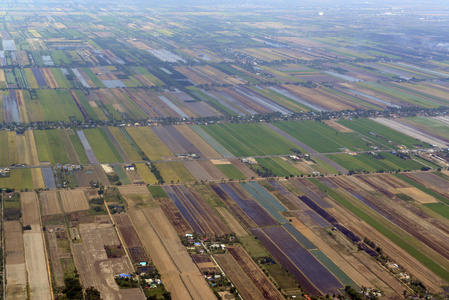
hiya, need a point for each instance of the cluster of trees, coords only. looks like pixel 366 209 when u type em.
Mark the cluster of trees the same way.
pixel 157 174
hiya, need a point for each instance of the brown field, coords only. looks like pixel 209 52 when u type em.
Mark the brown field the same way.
pixel 233 207
pixel 174 216
pixel 157 224
pixel 214 222
pixel 16 286
pixel 418 195
pixel 82 265
pixel 51 81
pixel 73 200
pixel 16 278
pixel 231 221
pixel 22 108
pixel 159 255
pixel 71 153
pixel 127 231
pixel 195 139
pixel 35 256
pixel 430 180
pixel 196 170
pixel 103 268
pixel 98 174
pixel 320 97
pixel 337 126
pixel 253 271
pixel 408 221
pixel 134 190
pixel 50 203
pixel 242 167
pixel 354 266
pixel 54 253
pixel 213 171
pixel 30 210
pixel 238 277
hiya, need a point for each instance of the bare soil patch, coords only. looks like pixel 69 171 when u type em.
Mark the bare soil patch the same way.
pixel 337 126
pixel 134 189
pixel 30 210
pixel 36 265
pixel 74 200
pixel 50 203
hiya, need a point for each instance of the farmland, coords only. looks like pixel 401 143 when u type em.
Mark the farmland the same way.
pixel 163 151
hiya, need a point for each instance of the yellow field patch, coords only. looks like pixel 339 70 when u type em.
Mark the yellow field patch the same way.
pixel 418 195
pixel 146 174
pixel 337 126
pixel 32 149
pixel 31 78
pixel 38 179
pixel 34 33
pixel 220 161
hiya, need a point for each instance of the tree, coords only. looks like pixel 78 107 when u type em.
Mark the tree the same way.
pixel 92 294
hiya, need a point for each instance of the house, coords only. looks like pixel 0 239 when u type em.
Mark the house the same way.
pixel 130 168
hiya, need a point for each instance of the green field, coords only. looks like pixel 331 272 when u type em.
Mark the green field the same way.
pixel 430 125
pixel 380 134
pixel 321 137
pixel 60 78
pixel 174 172
pixel 440 208
pixel 278 166
pixel 94 78
pixel 365 162
pixel 4 151
pixel 76 142
pixel 50 147
pixel 103 148
pixel 27 179
pixel 157 191
pixel 58 105
pixel 249 139
pixel 401 94
pixel 121 174
pixel 160 149
pixel 125 144
pixel 231 171
pixel 86 105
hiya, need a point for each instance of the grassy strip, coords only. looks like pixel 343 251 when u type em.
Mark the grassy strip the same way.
pixel 440 208
pixel 157 191
pixel 231 171
pixel 383 230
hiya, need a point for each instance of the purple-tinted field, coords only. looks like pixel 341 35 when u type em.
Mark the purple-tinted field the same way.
pixel 236 210
pixel 249 206
pixel 185 213
pixel 304 267
pixel 11 108
pixel 182 140
pixel 39 77
pixel 206 219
